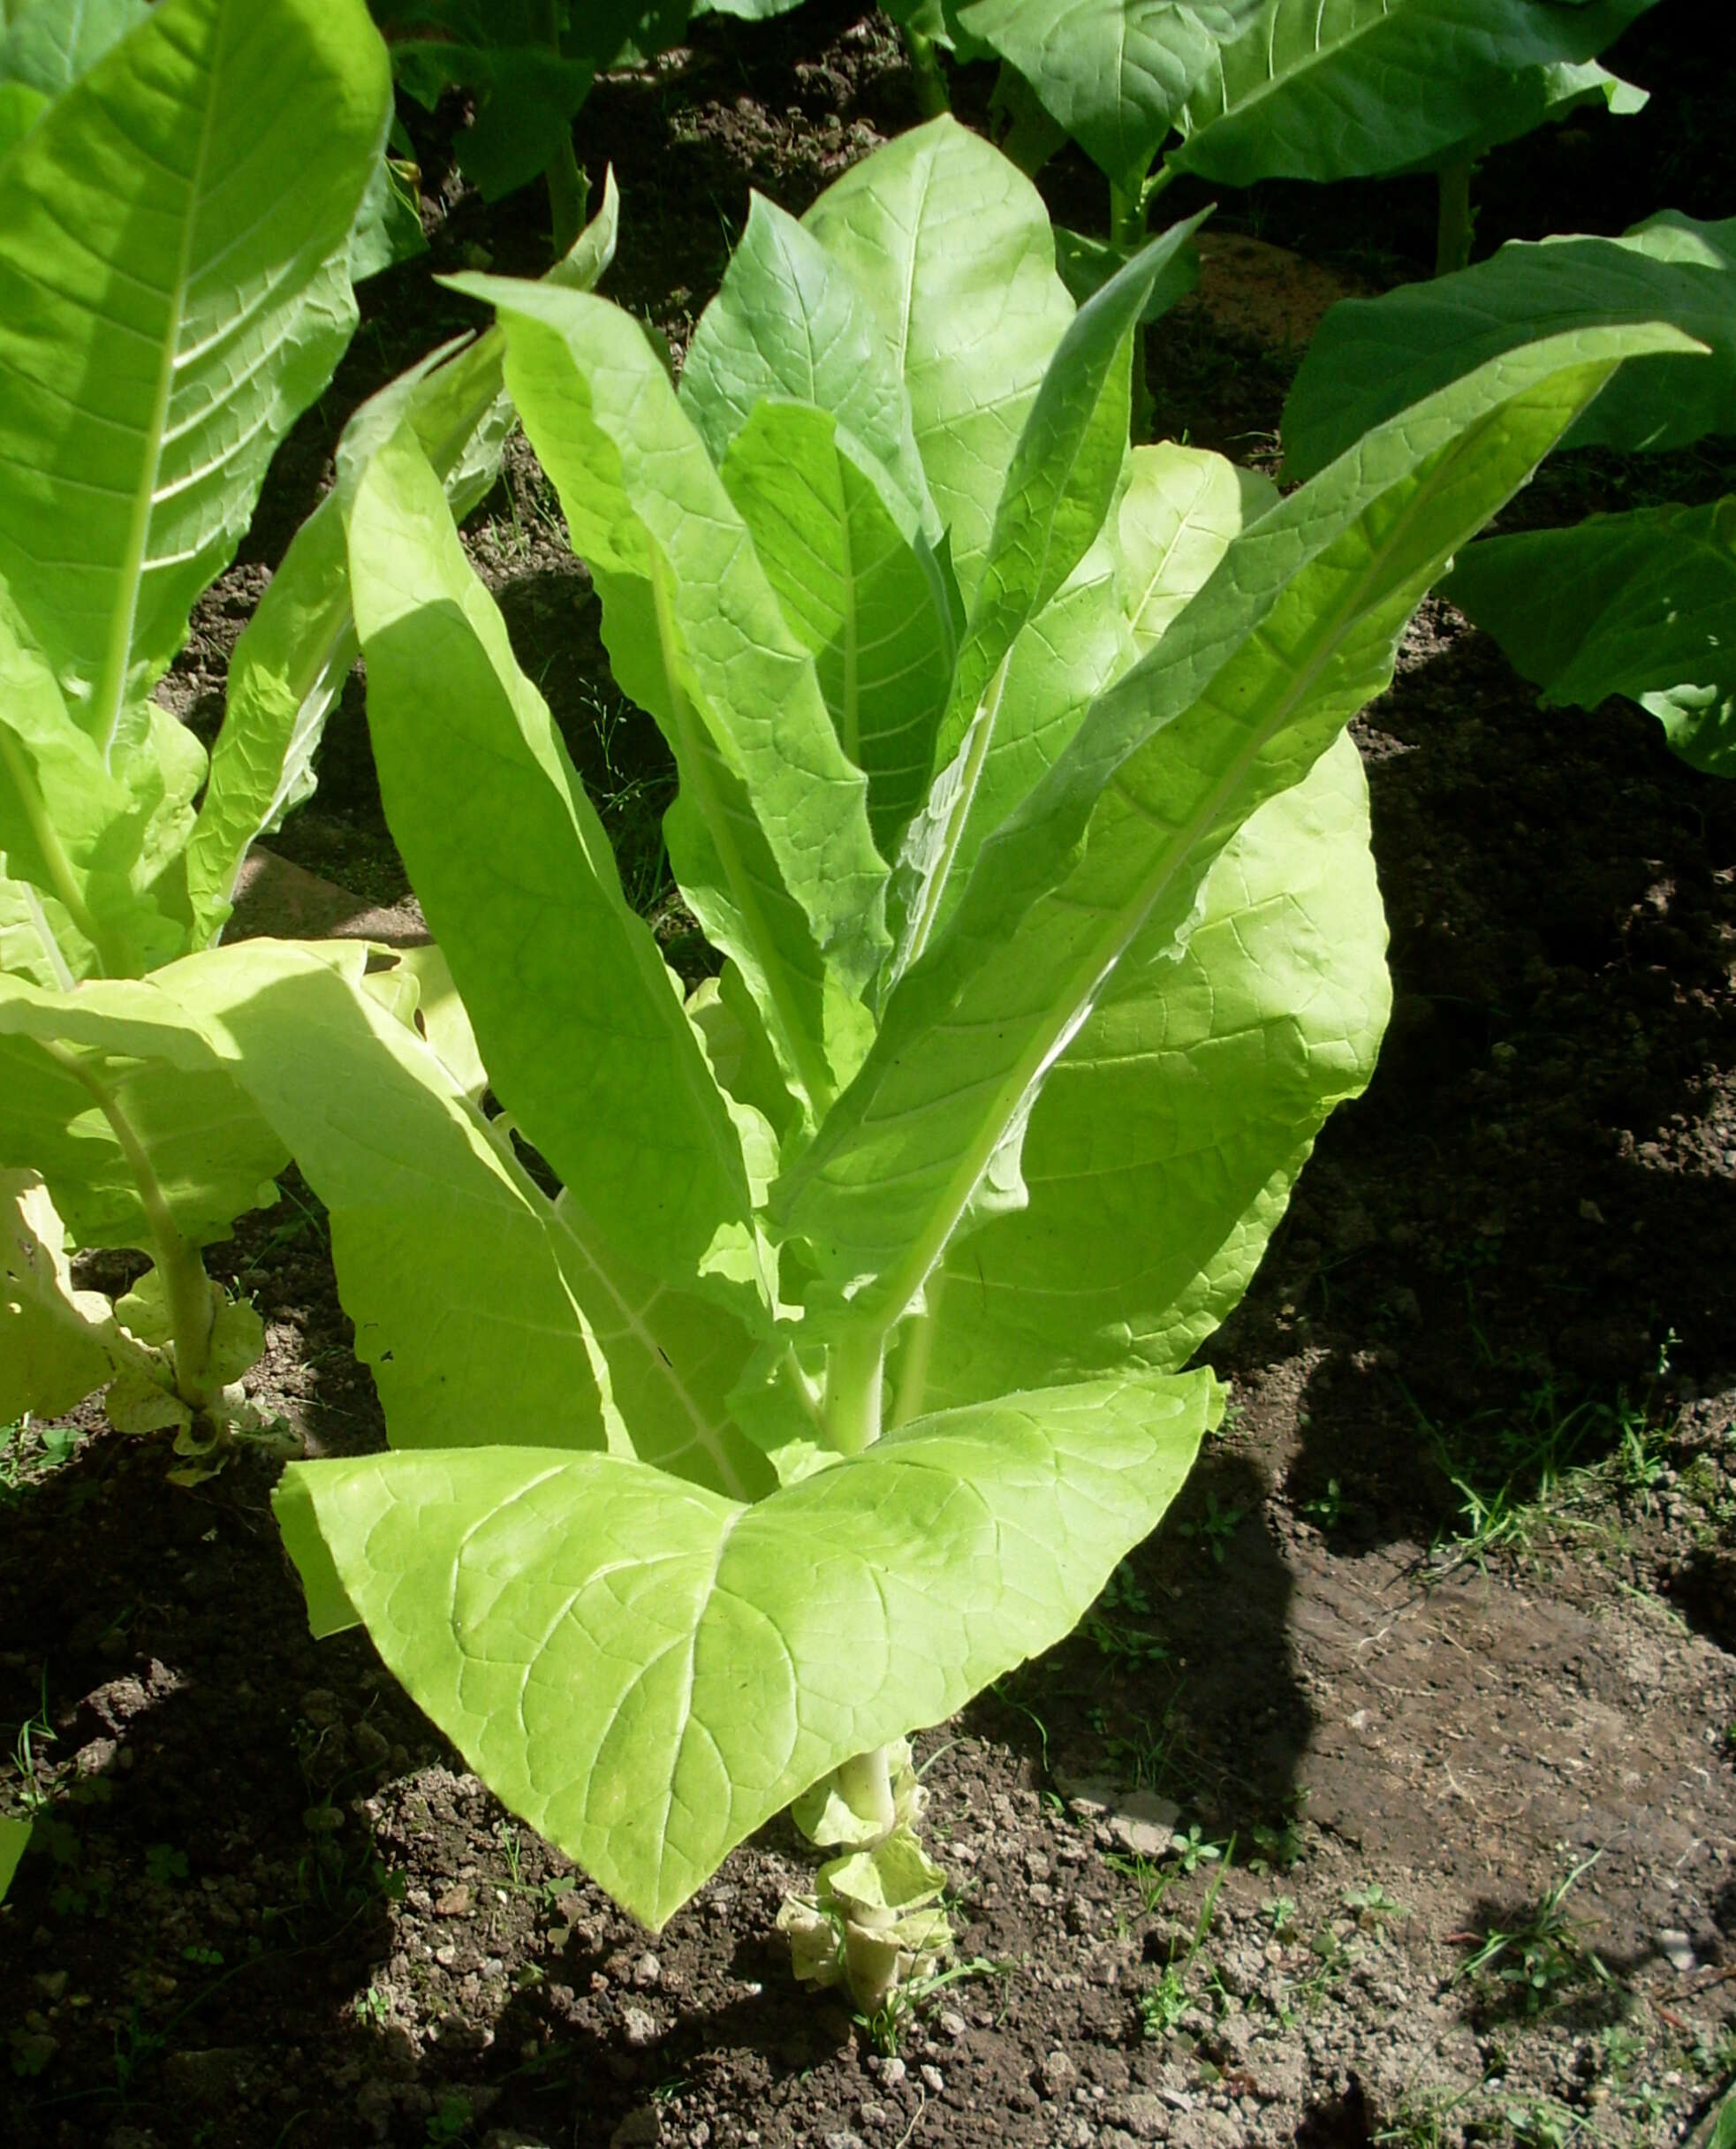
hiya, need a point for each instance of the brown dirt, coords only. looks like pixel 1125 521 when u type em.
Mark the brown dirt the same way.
pixel 268 1908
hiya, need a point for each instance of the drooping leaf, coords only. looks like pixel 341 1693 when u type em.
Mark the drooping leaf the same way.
pixel 1295 631
pixel 92 1077
pixel 1535 97
pixel 1643 604
pixel 646 1672
pixel 952 249
pixel 487 1314
pixel 585 1043
pixel 1337 89
pixel 1371 357
pixel 52 1335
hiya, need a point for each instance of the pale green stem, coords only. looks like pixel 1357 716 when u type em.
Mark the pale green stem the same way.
pixel 931 99
pixel 865 1785
pixel 1453 233
pixel 48 841
pixel 186 1288
pixel 567 187
pixel 1127 228
pixel 913 1355
pixel 853 1375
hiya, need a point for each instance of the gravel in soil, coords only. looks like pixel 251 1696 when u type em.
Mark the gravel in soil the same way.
pixel 1387 1796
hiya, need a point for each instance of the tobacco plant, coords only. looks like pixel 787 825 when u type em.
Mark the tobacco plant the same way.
pixel 167 305
pixel 1642 602
pixel 771 1362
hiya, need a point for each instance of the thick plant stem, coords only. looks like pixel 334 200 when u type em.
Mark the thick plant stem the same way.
pixel 1453 233
pixel 1127 230
pixel 186 1290
pixel 931 99
pixel 865 1785
pixel 853 1390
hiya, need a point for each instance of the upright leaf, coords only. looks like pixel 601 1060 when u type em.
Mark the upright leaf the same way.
pixel 646 1672
pixel 787 320
pixel 1293 634
pixel 859 588
pixel 700 639
pixel 952 249
pixel 584 1041
pixel 154 359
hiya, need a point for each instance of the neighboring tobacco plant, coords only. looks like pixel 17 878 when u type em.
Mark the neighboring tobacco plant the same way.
pixel 1640 603
pixel 167 305
pixel 846 1361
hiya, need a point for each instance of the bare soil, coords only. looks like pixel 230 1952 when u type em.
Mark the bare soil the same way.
pixel 1431 1666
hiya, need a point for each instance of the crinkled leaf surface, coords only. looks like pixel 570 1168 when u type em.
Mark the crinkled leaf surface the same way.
pixel 485 1313
pixel 53 42
pixel 1163 1145
pixel 1643 604
pixel 646 1672
pixel 1293 632
pixel 155 356
pixel 1336 89
pixel 1370 357
pixel 586 1044
pixel 952 249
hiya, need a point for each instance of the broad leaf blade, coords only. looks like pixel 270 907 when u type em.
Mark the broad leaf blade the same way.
pixel 155 360
pixel 54 41
pixel 1371 357
pixel 485 1315
pixel 952 249
pixel 1113 74
pixel 1643 604
pixel 1337 89
pixel 585 1043
pixel 52 1348
pixel 646 1673
pixel 1293 634
pixel 1214 1070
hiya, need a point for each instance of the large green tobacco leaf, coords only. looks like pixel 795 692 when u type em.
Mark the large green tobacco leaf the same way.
pixel 646 1672
pixel 770 830
pixel 1294 632
pixel 1335 89
pixel 951 248
pixel 166 307
pixel 289 667
pixel 1113 74
pixel 788 321
pixel 586 1044
pixel 1643 604
pixel 485 1311
pixel 1370 357
pixel 1163 1145
pixel 1538 97
pixel 72 1063
pixel 859 588
pixel 52 1352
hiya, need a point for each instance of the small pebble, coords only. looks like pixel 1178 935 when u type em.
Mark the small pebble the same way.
pixel 646 1971
pixel 639 2027
pixel 934 2078
pixel 952 2024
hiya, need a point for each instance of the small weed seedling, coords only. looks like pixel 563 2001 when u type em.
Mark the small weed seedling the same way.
pixel 1163 2005
pixel 1194 1849
pixel 1151 1881
pixel 1372 1906
pixel 886 2026
pixel 1215 1528
pixel 1541 1959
